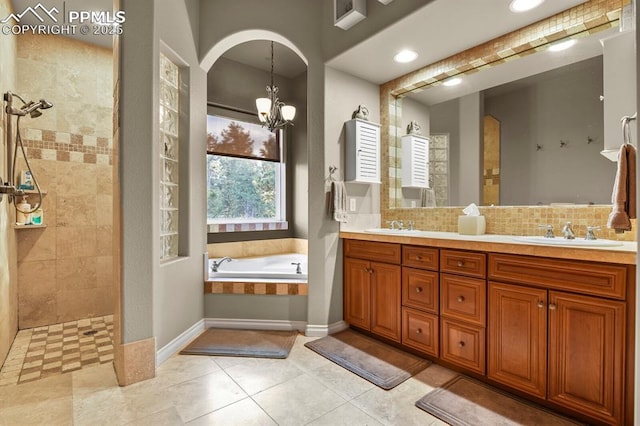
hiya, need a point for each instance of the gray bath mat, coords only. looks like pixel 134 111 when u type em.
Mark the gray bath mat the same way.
pixel 377 362
pixel 247 343
pixel 464 401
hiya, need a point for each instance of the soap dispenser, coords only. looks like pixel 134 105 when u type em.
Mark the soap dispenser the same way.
pixel 23 217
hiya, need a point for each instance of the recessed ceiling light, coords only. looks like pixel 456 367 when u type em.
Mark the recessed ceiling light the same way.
pixel 405 56
pixel 563 45
pixel 452 81
pixel 524 5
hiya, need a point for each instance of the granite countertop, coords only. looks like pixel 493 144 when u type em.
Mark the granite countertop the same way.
pixel 622 254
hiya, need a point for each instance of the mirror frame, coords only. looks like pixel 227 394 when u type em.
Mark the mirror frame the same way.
pixel 580 21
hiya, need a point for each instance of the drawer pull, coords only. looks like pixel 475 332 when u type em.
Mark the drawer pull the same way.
pixel 461 344
pixel 552 306
pixel 418 257
pixel 540 304
pixel 460 299
pixel 460 264
pixel 419 331
pixel 418 289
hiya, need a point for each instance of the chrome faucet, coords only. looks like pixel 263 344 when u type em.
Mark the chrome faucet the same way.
pixel 567 231
pixel 395 223
pixel 590 234
pixel 549 233
pixel 216 265
pixel 298 268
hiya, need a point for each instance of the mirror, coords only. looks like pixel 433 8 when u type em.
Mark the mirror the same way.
pixel 524 132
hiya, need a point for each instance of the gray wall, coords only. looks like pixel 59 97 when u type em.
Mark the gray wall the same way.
pixel 470 154
pixel 160 300
pixel 565 108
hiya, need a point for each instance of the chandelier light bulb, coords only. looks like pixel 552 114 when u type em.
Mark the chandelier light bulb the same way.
pixel 288 112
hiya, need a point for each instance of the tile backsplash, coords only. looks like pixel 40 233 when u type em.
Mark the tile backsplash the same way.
pixel 522 220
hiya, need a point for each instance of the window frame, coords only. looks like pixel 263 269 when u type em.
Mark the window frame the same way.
pixel 280 222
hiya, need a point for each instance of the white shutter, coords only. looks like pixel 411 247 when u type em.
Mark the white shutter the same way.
pixel 362 162
pixel 415 161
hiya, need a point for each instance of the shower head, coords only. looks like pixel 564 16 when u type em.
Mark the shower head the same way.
pixel 33 108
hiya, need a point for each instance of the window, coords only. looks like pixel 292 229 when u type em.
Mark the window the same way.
pixel 169 119
pixel 245 176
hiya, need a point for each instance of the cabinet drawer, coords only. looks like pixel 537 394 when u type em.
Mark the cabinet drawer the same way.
pixel 420 289
pixel 463 262
pixel 420 257
pixel 598 279
pixel 372 250
pixel 463 298
pixel 463 345
pixel 420 331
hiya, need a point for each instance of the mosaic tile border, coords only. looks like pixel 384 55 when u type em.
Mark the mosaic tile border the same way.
pixel 243 227
pixel 59 348
pixel 70 147
pixel 271 289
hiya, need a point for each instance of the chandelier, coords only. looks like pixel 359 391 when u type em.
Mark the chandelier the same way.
pixel 272 112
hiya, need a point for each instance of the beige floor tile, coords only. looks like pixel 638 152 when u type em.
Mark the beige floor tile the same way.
pixel 37 391
pixel 93 379
pixel 245 412
pixel 168 417
pixel 203 395
pixel 305 358
pixel 229 361
pixel 256 375
pixel 342 381
pixel 298 401
pixel 107 407
pixel 345 415
pixel 180 368
pixel 52 411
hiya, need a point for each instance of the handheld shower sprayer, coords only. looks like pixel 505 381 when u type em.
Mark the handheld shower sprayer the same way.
pixel 33 109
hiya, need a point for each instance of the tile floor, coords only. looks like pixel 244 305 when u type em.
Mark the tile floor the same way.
pixel 51 350
pixel 304 389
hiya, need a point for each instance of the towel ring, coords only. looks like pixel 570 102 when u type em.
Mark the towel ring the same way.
pixel 626 131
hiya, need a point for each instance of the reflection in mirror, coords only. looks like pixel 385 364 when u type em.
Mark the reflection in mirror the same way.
pixel 526 132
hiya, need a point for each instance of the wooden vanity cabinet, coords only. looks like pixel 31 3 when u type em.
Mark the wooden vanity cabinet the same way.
pixel 372 287
pixel 557 345
pixel 463 309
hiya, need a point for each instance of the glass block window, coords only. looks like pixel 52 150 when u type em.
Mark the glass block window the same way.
pixel 169 166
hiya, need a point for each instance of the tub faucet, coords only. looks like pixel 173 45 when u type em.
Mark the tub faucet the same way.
pixel 216 265
pixel 298 268
pixel 567 231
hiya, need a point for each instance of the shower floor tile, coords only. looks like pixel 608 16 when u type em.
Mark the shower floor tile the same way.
pixel 59 348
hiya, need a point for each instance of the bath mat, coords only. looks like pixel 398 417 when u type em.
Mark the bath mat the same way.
pixel 464 401
pixel 247 343
pixel 377 362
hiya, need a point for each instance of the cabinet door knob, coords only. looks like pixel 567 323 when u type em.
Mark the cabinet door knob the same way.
pixel 461 344
pixel 418 289
pixel 418 257
pixel 460 299
pixel 419 331
pixel 460 263
pixel 540 304
pixel 552 306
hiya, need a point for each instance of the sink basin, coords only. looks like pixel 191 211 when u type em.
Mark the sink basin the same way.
pixel 578 242
pixel 392 231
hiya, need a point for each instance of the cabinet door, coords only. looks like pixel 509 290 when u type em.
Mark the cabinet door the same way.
pixel 385 300
pixel 420 331
pixel 517 337
pixel 357 291
pixel 420 289
pixel 587 355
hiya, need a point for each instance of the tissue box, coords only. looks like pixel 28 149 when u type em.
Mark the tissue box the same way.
pixel 471 225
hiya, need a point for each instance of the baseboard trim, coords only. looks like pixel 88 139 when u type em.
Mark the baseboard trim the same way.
pixel 174 346
pixel 325 330
pixel 253 324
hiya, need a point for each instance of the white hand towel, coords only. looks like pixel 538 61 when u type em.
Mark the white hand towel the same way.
pixel 427 197
pixel 338 208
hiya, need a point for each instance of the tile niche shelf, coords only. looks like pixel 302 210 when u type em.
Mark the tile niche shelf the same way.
pixel 29 192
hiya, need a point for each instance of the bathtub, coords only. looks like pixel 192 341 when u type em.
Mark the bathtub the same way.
pixel 275 267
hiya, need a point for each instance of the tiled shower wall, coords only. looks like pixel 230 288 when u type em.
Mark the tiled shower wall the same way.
pixel 65 270
pixel 8 269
